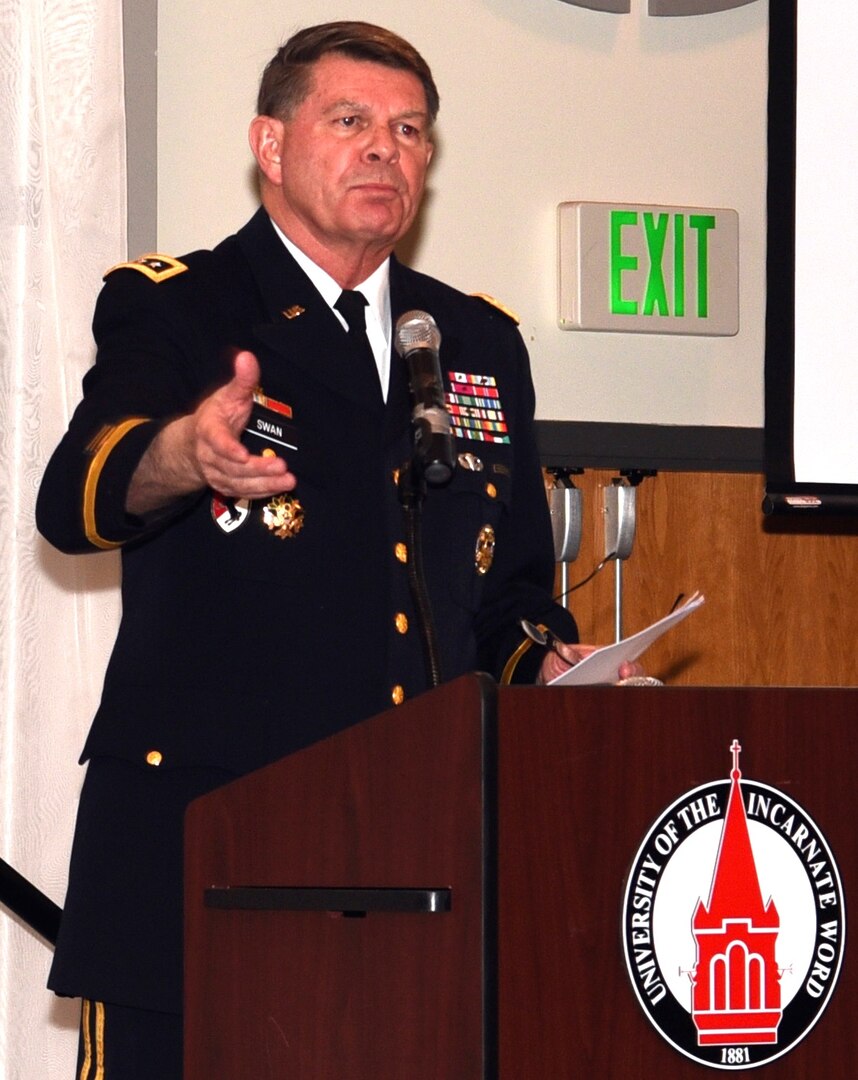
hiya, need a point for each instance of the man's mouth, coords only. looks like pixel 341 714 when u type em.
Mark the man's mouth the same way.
pixel 378 186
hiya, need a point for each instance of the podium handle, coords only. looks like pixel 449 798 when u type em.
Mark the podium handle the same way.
pixel 352 901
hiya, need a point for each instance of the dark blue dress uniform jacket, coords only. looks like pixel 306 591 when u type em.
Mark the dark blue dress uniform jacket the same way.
pixel 239 646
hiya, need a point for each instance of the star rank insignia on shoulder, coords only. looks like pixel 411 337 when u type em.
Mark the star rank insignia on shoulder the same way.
pixel 502 308
pixel 155 267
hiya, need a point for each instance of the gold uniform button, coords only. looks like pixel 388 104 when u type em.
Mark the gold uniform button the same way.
pixel 397 695
pixel 401 552
pixel 154 757
pixel 401 620
pixel 491 491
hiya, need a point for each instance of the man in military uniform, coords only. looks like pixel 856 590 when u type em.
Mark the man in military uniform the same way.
pixel 266 596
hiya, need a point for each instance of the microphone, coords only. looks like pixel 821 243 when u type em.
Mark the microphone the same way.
pixel 417 340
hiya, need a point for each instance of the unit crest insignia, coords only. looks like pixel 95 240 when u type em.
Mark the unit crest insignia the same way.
pixel 229 514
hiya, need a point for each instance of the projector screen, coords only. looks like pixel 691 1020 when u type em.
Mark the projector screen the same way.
pixel 812 304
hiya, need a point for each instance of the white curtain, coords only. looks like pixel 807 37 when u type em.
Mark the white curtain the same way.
pixel 62 223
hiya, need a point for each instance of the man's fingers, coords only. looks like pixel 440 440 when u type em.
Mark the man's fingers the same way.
pixel 246 372
pixel 222 416
pixel 226 464
pixel 256 479
pixel 234 399
pixel 574 654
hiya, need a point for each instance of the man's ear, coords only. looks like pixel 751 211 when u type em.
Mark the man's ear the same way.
pixel 266 141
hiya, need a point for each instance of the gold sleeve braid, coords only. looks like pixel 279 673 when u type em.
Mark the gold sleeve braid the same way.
pixel 101 448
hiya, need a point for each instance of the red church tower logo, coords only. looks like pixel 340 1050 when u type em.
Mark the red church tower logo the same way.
pixel 737 996
pixel 734 923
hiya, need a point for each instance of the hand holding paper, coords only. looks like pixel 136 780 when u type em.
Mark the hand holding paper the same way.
pixel 602 665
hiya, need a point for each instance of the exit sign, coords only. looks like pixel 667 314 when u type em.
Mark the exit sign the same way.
pixel 649 269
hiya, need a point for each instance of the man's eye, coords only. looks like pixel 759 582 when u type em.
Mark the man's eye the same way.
pixel 409 131
pixel 348 121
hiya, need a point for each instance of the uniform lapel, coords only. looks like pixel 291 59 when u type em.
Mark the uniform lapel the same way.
pixel 299 325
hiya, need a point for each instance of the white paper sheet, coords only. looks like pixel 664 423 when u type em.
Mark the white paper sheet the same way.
pixel 603 665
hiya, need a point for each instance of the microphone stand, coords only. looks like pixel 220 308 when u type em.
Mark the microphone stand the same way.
pixel 29 903
pixel 412 492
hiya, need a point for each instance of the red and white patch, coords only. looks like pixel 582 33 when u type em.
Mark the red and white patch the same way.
pixel 230 514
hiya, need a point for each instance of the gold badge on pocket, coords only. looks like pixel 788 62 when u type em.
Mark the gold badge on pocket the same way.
pixel 284 516
pixel 484 551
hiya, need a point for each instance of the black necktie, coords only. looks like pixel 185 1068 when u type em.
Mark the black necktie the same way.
pixel 352 306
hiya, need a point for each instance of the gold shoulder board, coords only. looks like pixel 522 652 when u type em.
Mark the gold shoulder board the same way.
pixel 510 314
pixel 155 267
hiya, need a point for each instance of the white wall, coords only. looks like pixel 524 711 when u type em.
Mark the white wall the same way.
pixel 541 102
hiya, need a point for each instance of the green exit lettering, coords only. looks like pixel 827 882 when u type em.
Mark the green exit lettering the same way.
pixel 657 235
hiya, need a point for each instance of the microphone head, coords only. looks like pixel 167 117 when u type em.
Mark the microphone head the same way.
pixel 416 330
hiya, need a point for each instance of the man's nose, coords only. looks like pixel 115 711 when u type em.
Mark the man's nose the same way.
pixel 381 145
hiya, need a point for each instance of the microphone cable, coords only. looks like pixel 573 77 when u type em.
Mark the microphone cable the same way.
pixel 412 491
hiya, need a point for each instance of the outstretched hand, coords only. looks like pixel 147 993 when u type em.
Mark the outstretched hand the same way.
pixel 204 449
pixel 224 463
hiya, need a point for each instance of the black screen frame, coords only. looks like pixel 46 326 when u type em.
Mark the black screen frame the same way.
pixel 784 495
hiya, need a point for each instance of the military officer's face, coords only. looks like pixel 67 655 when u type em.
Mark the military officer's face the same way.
pixel 352 157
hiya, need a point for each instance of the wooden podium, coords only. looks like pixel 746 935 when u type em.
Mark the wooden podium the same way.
pixel 437 893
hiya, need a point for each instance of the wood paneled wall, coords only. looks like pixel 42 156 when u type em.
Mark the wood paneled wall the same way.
pixel 780 594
